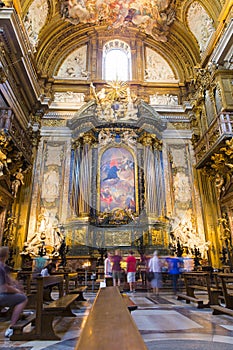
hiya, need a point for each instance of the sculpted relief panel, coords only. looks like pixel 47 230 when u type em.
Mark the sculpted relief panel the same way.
pixel 165 99
pixel 157 69
pixel 45 218
pixel 74 66
pixel 50 187
pixel 200 24
pixel 181 177
pixel 186 225
pixel 35 20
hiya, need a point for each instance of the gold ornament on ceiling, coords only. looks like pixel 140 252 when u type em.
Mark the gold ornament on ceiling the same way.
pixel 151 17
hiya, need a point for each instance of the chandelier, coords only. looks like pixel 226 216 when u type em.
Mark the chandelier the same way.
pixel 152 17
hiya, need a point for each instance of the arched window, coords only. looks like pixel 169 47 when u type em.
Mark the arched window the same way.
pixel 117 61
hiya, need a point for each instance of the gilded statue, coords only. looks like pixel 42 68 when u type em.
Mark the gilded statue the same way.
pixel 219 183
pixel 18 181
pixel 3 162
pixel 225 225
pixel 115 102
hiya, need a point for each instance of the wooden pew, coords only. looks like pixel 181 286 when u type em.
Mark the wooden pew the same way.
pixel 109 325
pixel 42 319
pixel 200 281
pixel 79 290
pixel 227 290
pixel 70 276
pixel 25 278
pixel 29 282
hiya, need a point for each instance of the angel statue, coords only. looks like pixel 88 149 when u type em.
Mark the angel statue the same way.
pixel 18 181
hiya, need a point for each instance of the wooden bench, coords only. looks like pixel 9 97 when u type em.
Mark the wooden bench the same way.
pixel 79 292
pixel 42 319
pixel 26 277
pixel 29 282
pixel 70 276
pixel 110 325
pixel 227 297
pixel 200 281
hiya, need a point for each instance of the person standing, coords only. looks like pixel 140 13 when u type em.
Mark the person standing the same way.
pixel 143 268
pixel 131 271
pixel 116 268
pixel 174 271
pixel 108 270
pixel 155 267
pixel 10 294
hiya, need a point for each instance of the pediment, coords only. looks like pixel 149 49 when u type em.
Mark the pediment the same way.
pixel 92 114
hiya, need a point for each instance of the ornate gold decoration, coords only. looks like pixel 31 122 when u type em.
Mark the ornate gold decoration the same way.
pixel 228 150
pixel 76 144
pixel 3 76
pixel 115 102
pixel 225 225
pixel 4 159
pixel 8 3
pixel 8 230
pixel 117 217
pixel 151 140
pixel 202 78
pixel 54 122
pixel 221 167
pixel 88 138
pixel 226 238
pixel 84 138
pixel 150 17
pixel 201 82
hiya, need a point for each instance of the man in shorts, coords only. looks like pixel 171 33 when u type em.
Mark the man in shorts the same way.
pixel 10 295
pixel 131 271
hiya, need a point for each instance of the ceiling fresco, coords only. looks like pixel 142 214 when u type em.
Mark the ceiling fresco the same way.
pixel 179 31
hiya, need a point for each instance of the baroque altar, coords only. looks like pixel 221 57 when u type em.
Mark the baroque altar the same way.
pixel 110 158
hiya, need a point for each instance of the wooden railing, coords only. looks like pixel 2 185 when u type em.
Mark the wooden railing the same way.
pixel 19 136
pixel 220 128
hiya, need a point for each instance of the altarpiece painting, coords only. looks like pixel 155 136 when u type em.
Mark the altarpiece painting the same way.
pixel 117 180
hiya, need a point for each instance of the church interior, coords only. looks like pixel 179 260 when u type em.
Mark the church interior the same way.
pixel 116 131
pixel 107 157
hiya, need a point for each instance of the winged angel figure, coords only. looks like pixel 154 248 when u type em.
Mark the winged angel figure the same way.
pixel 115 102
pixel 152 17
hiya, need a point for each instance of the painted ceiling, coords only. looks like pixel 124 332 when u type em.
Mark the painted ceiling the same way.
pixel 179 31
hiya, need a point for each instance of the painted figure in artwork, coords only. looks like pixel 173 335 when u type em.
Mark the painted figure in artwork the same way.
pixel 117 182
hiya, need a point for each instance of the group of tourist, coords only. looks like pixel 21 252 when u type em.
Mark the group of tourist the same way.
pixel 12 295
pixel 113 269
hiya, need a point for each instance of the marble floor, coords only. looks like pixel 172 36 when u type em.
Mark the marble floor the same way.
pixel 164 322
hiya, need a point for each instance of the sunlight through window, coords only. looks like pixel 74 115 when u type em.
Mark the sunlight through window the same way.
pixel 117 61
